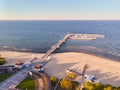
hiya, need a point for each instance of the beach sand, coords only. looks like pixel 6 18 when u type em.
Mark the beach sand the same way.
pixel 12 57
pixel 105 70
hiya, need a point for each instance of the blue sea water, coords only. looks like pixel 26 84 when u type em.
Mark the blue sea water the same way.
pixel 39 36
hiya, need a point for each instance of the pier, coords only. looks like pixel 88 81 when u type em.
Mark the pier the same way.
pixel 14 80
pixel 56 46
pixel 86 36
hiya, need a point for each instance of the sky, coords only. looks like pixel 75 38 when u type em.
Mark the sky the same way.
pixel 59 9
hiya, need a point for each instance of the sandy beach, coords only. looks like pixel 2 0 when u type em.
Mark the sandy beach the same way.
pixel 105 70
pixel 12 57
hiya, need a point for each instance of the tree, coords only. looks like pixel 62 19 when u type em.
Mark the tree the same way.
pixel 87 84
pixel 71 75
pixel 66 84
pixel 53 79
pixel 99 86
pixel 108 87
pixel 2 61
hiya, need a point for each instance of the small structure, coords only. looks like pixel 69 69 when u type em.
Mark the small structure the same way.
pixel 19 65
pixel 7 69
pixel 90 78
pixel 38 68
pixel 86 36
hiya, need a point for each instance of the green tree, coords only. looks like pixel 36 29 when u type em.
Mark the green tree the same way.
pixel 115 88
pixel 53 79
pixel 66 84
pixel 71 75
pixel 2 61
pixel 99 86
pixel 87 84
pixel 118 88
pixel 108 87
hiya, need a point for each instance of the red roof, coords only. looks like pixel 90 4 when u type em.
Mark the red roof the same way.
pixel 38 66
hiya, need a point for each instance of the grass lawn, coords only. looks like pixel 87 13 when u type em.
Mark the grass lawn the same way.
pixel 27 83
pixel 4 76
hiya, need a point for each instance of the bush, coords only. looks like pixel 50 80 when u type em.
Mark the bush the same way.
pixel 53 79
pixel 2 61
pixel 66 84
pixel 71 75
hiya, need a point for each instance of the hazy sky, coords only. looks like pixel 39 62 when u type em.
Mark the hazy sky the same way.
pixel 60 9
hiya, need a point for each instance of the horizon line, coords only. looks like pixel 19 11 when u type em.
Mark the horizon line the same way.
pixel 59 20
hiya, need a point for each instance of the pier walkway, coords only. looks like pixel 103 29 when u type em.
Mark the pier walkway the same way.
pixel 57 45
pixel 86 36
pixel 14 80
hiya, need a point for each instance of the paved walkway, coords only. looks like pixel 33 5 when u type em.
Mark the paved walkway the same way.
pixel 43 84
pixel 14 80
pixel 39 80
pixel 47 81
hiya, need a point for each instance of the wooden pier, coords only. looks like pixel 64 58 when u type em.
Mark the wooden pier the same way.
pixel 56 46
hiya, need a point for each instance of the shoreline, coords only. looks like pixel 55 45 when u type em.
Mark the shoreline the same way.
pixel 98 55
pixel 85 52
pixel 107 71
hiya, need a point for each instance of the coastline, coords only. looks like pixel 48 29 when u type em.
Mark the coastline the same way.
pixel 99 55
pixel 107 71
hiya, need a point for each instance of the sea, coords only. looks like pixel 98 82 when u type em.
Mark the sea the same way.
pixel 38 36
